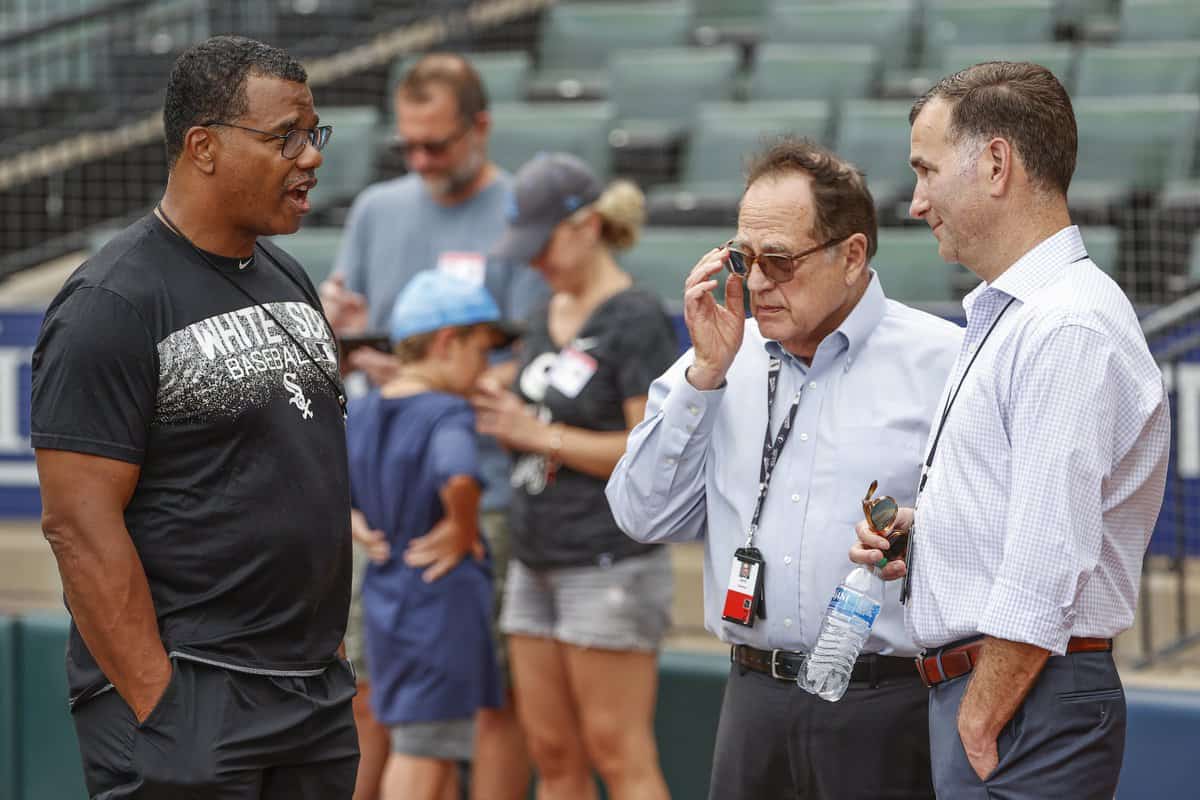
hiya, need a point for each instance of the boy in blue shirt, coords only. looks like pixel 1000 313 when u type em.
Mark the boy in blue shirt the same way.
pixel 415 489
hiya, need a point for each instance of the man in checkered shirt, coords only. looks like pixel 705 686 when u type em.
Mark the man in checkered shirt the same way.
pixel 1045 468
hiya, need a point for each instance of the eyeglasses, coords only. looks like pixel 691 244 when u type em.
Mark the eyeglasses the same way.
pixel 881 514
pixel 293 141
pixel 776 267
pixel 435 148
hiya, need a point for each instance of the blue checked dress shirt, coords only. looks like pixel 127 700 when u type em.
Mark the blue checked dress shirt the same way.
pixel 691 468
pixel 1049 476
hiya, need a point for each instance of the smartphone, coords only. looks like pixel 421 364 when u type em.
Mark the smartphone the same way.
pixel 376 341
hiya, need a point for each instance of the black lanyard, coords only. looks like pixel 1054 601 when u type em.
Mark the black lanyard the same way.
pixel 333 384
pixel 771 448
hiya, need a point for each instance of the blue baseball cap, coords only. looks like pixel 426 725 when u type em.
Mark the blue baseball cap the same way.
pixel 433 300
pixel 547 190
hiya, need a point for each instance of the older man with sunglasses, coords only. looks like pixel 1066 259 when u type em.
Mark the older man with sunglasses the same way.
pixel 761 441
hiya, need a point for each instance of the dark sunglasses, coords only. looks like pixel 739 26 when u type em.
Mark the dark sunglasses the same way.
pixel 293 141
pixel 435 148
pixel 776 267
pixel 881 514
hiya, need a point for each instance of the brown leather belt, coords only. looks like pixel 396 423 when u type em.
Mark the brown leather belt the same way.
pixel 958 658
pixel 784 665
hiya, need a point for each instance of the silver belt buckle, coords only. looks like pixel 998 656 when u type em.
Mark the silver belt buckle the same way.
pixel 774 672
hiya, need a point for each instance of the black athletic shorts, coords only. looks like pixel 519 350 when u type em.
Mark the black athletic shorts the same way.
pixel 217 734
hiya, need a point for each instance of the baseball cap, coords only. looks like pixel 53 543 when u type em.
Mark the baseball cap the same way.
pixel 547 190
pixel 434 299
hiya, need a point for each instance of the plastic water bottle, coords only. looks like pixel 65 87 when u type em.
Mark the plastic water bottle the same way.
pixel 847 624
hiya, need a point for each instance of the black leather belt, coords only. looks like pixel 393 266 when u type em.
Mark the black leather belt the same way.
pixel 784 665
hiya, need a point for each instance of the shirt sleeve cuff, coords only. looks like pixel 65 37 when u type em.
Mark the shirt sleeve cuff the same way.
pixel 690 409
pixel 1016 615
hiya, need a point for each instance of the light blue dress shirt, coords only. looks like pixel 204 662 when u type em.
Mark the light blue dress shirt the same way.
pixel 691 468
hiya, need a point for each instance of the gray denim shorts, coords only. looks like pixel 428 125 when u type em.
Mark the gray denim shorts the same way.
pixel 445 739
pixel 625 605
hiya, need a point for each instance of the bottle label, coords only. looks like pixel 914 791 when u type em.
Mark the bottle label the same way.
pixel 852 604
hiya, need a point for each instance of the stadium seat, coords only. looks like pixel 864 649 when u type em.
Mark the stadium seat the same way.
pixel 724 135
pixel 8 707
pixel 349 158
pixel 1103 246
pixel 48 756
pixel 910 268
pixel 1158 68
pixel 874 135
pixel 997 21
pixel 1058 58
pixel 1161 20
pixel 315 248
pixel 787 72
pixel 505 74
pixel 663 257
pixel 682 77
pixel 578 38
pixel 521 130
pixel 886 25
pixel 735 16
pixel 1135 139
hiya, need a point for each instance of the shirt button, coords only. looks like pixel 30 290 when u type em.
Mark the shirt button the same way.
pixel 812 385
pixel 795 498
pixel 804 437
pixel 693 409
pixel 787 559
pixel 670 460
pixel 787 623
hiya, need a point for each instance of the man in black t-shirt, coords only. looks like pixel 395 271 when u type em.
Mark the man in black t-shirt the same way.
pixel 189 426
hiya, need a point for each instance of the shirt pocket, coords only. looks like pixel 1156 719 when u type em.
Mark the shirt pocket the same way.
pixel 890 456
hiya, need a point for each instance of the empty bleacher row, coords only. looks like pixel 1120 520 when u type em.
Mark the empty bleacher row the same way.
pixel 673 93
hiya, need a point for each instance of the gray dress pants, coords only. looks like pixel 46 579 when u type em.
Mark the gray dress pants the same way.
pixel 1065 741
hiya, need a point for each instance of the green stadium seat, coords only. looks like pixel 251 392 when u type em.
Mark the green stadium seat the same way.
pixel 48 754
pixel 8 707
pixel 1058 58
pixel 315 248
pixel 691 687
pixel 1134 139
pixel 1103 246
pixel 886 25
pixel 1158 68
pixel 910 268
pixel 505 74
pixel 349 158
pixel 723 136
pixel 995 22
pixel 655 92
pixel 787 72
pixel 1160 20
pixel 874 135
pixel 577 40
pixel 663 257
pixel 730 15
pixel 522 130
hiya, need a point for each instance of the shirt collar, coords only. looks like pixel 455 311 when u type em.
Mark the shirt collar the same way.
pixel 851 335
pixel 1038 267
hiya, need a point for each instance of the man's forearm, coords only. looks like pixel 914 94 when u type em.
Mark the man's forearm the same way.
pixel 109 597
pixel 1005 673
